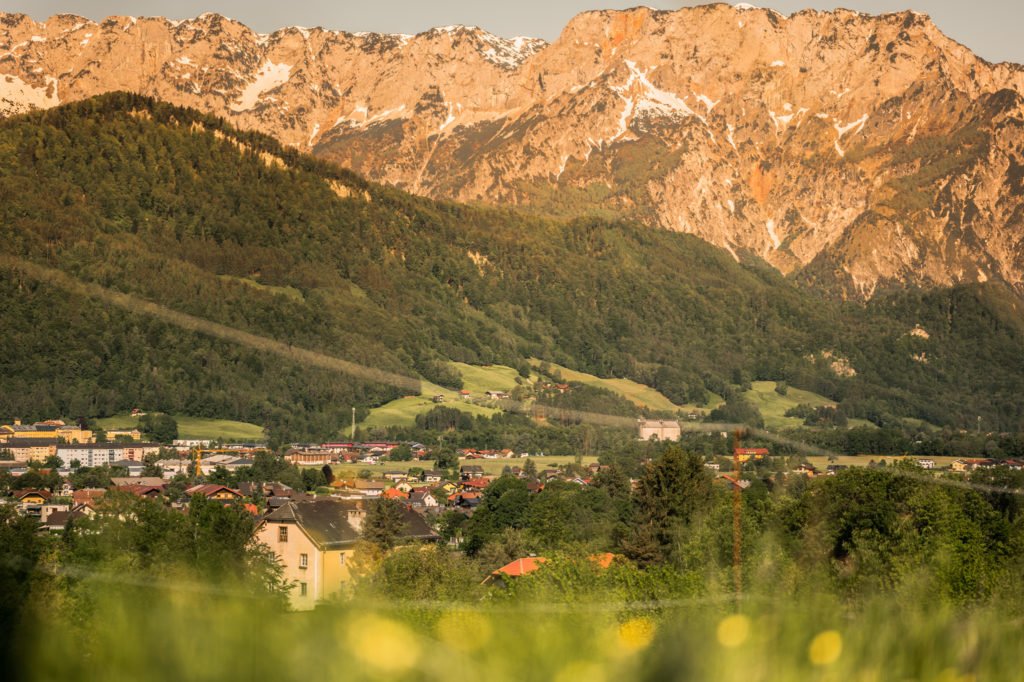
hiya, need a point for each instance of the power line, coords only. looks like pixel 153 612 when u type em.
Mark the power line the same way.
pixel 134 304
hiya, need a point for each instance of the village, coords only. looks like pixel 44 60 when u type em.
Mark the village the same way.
pixel 315 524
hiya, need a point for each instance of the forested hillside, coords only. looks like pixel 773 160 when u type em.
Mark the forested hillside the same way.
pixel 175 207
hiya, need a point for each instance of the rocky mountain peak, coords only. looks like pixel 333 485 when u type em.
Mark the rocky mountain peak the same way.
pixel 859 151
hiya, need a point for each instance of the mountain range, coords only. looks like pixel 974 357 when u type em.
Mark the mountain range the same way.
pixel 856 153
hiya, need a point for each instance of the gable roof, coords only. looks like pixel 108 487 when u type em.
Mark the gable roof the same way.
pixel 141 490
pixel 210 489
pixel 59 519
pixel 22 494
pixel 137 480
pixel 88 496
pixel 326 522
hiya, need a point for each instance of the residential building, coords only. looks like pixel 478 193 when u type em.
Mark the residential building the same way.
pixel 230 462
pixel 114 435
pixel 311 457
pixel 514 569
pixel 30 449
pixel 31 502
pixel 98 454
pixel 173 467
pixel 184 443
pixel 361 487
pixel 58 520
pixel 121 481
pixel 315 540
pixel 212 491
pixel 659 429
pixel 433 476
pixel 53 430
pixel 422 499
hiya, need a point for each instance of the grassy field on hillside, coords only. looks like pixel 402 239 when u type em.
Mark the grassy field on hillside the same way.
pixel 290 292
pixel 476 379
pixel 638 394
pixel 197 428
pixel 402 412
pixel 480 379
pixel 773 406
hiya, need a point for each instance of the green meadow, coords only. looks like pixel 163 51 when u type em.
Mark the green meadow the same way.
pixel 196 428
pixel 773 406
pixel 638 394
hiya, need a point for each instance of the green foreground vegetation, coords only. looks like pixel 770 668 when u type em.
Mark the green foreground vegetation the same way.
pixel 872 574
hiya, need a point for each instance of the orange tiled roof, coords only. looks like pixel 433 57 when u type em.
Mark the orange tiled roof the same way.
pixel 521 566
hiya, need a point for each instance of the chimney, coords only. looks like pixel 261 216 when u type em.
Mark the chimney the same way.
pixel 356 514
pixel 355 519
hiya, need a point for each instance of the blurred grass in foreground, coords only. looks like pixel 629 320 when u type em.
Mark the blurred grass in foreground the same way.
pixel 182 633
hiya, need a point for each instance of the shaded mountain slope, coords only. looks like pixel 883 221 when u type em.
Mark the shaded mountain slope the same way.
pixel 177 207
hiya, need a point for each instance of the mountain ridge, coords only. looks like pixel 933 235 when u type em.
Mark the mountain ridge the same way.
pixel 784 138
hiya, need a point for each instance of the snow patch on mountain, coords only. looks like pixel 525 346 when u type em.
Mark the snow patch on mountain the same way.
pixel 17 96
pixel 269 76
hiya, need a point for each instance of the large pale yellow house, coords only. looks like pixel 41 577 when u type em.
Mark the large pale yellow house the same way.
pixel 124 434
pixel 315 540
pixel 54 430
pixel 30 449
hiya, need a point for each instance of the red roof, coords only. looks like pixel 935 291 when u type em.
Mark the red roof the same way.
pixel 88 496
pixel 476 483
pixel 210 489
pixel 394 494
pixel 520 567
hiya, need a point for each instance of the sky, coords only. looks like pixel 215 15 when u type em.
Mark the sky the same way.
pixel 991 28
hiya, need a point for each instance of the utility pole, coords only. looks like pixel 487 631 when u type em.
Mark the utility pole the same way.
pixel 353 437
pixel 737 507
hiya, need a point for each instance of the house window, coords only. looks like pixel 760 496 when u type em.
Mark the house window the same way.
pixel 303 560
pixel 341 556
pixel 282 533
pixel 302 589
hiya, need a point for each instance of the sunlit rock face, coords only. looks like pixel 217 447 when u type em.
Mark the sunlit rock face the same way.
pixel 858 151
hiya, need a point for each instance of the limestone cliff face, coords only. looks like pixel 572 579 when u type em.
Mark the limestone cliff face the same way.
pixel 861 151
